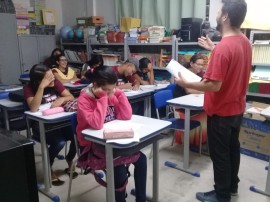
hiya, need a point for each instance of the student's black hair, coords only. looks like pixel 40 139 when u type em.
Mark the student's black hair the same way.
pixel 104 75
pixel 57 58
pixel 236 10
pixel 95 59
pixel 36 75
pixel 55 50
pixel 143 63
pixel 194 59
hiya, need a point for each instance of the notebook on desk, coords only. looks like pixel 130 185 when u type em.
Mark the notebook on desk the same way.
pixel 7 88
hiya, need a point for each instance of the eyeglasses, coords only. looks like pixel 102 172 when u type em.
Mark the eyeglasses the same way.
pixel 199 64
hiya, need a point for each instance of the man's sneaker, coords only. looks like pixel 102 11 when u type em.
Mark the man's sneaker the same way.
pixel 207 196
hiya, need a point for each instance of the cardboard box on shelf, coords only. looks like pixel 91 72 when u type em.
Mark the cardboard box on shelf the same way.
pixel 97 19
pixel 254 134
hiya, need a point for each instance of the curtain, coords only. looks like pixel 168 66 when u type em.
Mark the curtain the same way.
pixel 166 13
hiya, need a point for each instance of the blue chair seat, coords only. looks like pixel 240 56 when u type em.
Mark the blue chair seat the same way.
pixel 179 124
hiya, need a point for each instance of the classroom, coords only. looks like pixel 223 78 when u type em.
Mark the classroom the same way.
pixel 121 101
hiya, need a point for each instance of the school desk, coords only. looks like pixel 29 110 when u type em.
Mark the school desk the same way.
pixel 187 102
pixel 148 130
pixel 61 118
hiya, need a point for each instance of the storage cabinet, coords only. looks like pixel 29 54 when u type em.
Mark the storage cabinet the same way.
pixel 35 49
pixel 9 55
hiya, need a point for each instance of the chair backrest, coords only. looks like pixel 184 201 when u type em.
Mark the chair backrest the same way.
pixel 24 75
pixel 160 99
pixel 4 95
pixel 171 87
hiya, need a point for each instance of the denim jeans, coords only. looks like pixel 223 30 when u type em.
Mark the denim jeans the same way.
pixel 140 173
pixel 56 140
pixel 224 148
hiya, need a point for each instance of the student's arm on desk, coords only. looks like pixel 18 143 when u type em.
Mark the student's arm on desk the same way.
pixel 64 98
pixel 140 80
pixel 125 86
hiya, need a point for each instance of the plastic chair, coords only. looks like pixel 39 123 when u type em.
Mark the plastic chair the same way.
pixel 74 122
pixel 16 118
pixel 160 100
pixel 171 87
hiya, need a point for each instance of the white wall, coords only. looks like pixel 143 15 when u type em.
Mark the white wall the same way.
pixel 69 10
pixel 57 6
pixel 215 5
pixel 106 8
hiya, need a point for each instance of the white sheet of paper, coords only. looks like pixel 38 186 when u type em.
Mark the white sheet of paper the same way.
pixel 174 68
pixel 117 125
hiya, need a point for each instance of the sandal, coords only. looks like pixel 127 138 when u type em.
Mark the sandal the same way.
pixel 57 182
pixel 74 173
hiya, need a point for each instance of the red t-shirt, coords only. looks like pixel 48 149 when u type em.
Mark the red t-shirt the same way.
pixel 230 63
pixel 50 94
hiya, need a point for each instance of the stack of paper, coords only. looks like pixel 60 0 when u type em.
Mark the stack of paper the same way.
pixel 174 68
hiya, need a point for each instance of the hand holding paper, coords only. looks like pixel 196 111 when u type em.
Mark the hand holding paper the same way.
pixel 174 68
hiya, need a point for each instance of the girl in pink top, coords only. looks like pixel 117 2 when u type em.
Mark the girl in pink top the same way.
pixel 101 102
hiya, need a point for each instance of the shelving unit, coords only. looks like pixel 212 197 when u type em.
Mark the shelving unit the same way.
pixel 260 55
pixel 72 51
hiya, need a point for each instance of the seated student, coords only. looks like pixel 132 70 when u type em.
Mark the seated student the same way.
pixel 62 72
pixel 101 102
pixel 195 65
pixel 44 88
pixel 87 69
pixel 125 75
pixel 51 61
pixel 146 74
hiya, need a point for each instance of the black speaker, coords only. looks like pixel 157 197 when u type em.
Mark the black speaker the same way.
pixel 17 171
pixel 191 29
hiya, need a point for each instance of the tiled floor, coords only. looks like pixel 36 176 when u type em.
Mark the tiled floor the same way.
pixel 175 186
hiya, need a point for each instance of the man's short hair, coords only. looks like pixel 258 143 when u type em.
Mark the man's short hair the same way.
pixel 236 10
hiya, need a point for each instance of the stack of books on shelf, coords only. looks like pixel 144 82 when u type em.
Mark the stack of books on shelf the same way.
pixel 261 52
pixel 22 17
pixel 37 6
pixel 156 34
pixel 110 59
pixel 74 56
pixel 164 58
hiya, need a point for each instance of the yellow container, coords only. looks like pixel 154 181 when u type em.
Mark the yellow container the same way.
pixel 127 23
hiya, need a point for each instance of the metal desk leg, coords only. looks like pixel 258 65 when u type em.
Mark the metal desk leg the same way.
pixel 267 187
pixel 6 118
pixel 110 195
pixel 155 172
pixel 185 167
pixel 46 166
pixel 28 132
pixel 186 139
pixel 148 106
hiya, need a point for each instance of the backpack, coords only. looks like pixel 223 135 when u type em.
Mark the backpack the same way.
pixel 16 96
pixel 93 158
pixel 71 106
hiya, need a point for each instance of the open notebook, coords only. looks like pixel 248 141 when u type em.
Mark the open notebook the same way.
pixel 261 73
